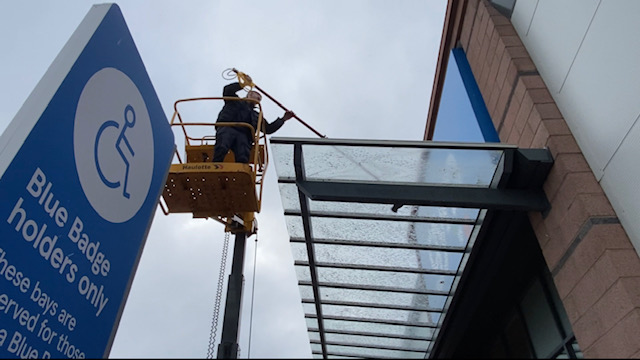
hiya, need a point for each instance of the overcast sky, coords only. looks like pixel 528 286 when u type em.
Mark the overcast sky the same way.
pixel 351 69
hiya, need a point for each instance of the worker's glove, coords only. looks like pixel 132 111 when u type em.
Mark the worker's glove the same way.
pixel 288 115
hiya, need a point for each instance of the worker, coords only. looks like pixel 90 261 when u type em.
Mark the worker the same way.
pixel 239 138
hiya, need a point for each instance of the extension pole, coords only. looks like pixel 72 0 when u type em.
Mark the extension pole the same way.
pixel 282 106
pixel 228 348
pixel 285 109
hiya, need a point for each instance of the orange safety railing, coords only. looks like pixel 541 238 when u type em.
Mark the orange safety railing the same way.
pixel 259 154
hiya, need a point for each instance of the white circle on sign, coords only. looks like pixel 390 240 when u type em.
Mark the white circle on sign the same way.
pixel 113 145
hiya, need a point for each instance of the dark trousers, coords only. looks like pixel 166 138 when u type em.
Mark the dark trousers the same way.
pixel 229 138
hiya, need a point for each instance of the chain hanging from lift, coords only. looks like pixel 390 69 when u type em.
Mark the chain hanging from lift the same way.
pixel 218 298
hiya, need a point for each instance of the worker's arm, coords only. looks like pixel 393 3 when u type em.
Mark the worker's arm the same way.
pixel 270 128
pixel 231 89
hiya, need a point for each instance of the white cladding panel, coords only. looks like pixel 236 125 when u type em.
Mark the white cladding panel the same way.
pixel 552 38
pixel 522 16
pixel 587 53
pixel 621 182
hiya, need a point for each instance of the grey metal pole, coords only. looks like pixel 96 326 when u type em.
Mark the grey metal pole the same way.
pixel 228 348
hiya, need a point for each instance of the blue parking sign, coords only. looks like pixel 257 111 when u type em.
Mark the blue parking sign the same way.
pixel 82 167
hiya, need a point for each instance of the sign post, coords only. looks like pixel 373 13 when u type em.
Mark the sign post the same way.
pixel 82 166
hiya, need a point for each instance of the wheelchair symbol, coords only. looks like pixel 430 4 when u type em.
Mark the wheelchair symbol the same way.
pixel 122 141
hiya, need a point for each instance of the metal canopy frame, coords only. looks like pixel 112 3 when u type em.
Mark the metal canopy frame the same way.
pixel 369 227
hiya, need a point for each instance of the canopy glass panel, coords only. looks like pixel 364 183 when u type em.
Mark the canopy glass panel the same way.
pixel 378 252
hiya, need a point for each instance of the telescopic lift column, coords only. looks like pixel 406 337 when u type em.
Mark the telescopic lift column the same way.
pixel 228 347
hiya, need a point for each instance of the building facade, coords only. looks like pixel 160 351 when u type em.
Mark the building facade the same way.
pixel 561 76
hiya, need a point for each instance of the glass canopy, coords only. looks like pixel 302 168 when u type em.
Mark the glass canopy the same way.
pixel 381 232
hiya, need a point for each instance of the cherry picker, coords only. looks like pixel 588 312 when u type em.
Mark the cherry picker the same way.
pixel 228 192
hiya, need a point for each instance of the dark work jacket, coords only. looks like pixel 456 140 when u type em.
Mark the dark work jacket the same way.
pixel 242 111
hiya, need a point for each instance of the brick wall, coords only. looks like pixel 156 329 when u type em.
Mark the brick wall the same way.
pixel 595 268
